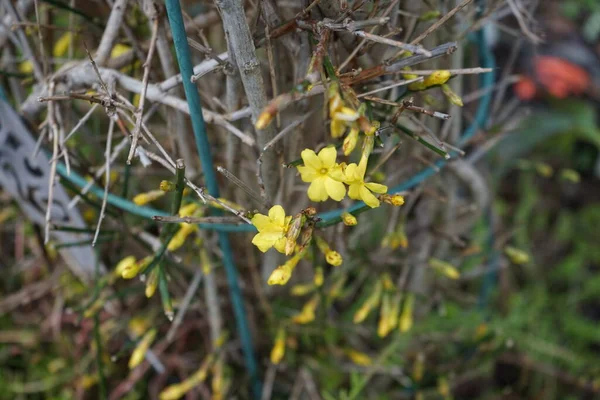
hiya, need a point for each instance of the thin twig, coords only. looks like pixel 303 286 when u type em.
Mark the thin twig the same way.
pixel 54 131
pixel 111 127
pixel 140 110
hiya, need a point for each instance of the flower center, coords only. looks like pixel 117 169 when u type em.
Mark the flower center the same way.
pixel 323 171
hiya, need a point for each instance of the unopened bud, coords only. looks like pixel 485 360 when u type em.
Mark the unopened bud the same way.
pixel 167 186
pixel 349 219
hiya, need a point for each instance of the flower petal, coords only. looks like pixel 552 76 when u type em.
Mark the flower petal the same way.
pixel 280 245
pixel 368 197
pixel 310 159
pixel 316 190
pixel 354 191
pixel 336 173
pixel 350 173
pixel 327 156
pixel 260 221
pixel 307 174
pixel 376 187
pixel 277 215
pixel 263 241
pixel 337 128
pixel 336 190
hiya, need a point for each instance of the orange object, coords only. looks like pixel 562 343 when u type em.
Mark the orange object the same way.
pixel 556 76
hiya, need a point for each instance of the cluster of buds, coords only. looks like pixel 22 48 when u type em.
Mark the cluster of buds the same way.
pixel 395 308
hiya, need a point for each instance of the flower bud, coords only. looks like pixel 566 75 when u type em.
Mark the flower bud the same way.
pixel 334 258
pixel 350 141
pixel 167 186
pixel 451 96
pixel 406 316
pixel 307 314
pixel 359 358
pixel 293 233
pixel 444 268
pixel 301 290
pixel 152 283
pixel 278 350
pixel 145 198
pixel 130 271
pixel 394 199
pixel 140 350
pixel 516 256
pixel 349 219
pixel 318 279
pixel 264 119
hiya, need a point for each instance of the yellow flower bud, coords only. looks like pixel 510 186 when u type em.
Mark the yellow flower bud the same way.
pixel 282 274
pixel 570 175
pixel 301 290
pixel 125 263
pixel 337 128
pixel 437 78
pixel 188 210
pixel 350 141
pixel 444 268
pixel 307 314
pixel 264 119
pixel 516 256
pixel 394 199
pixel 349 219
pixel 140 350
pixel 130 271
pixel 278 350
pixel 334 258
pixel 370 303
pixel 358 357
pixel 152 283
pixel 544 169
pixel 336 288
pixel 145 198
pixel 383 327
pixel 387 282
pixel 167 186
pixel 419 368
pixel 318 279
pixel 180 236
pixel 406 316
pixel 451 96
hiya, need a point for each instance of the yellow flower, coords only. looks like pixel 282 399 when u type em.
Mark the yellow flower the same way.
pixel 278 350
pixel 341 115
pixel 358 189
pixel 271 229
pixel 140 350
pixel 323 173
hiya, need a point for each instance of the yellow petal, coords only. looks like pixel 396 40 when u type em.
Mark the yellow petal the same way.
pixel 316 190
pixel 350 173
pixel 354 191
pixel 263 241
pixel 328 156
pixel 280 245
pixel 376 187
pixel 261 222
pixel 337 128
pixel 336 190
pixel 307 174
pixel 311 159
pixel 368 197
pixel 277 215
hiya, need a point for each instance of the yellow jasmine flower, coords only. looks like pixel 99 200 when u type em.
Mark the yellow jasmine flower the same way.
pixel 359 189
pixel 271 229
pixel 323 173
